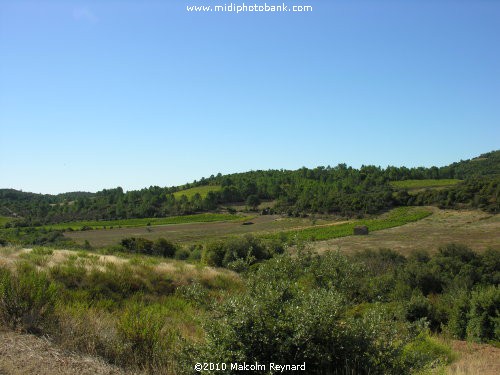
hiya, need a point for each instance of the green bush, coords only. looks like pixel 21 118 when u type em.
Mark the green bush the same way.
pixel 164 248
pixel 484 315
pixel 149 339
pixel 426 352
pixel 138 245
pixel 247 248
pixel 299 310
pixel 27 299
pixel 182 254
pixel 459 314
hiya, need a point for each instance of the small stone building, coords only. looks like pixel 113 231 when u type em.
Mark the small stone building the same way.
pixel 361 230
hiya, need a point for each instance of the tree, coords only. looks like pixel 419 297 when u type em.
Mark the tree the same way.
pixel 253 201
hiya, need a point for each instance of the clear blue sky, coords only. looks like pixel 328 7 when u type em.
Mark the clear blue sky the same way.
pixel 99 94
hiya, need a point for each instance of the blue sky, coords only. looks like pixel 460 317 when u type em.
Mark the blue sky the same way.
pixel 99 94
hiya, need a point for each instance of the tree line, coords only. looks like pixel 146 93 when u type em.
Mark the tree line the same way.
pixel 341 190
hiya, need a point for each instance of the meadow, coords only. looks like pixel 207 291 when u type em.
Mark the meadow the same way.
pixel 202 190
pixel 4 220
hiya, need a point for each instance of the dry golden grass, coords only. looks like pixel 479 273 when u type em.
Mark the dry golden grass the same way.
pixel 182 273
pixel 22 354
pixel 474 359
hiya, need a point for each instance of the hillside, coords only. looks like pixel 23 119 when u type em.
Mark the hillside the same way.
pixel 339 190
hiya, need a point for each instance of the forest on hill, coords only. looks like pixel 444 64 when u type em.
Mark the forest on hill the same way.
pixel 339 190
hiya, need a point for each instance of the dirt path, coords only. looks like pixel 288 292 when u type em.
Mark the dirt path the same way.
pixel 22 354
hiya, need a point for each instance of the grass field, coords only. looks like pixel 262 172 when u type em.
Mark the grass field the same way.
pixel 197 218
pixel 396 217
pixel 473 228
pixel 424 184
pixel 4 220
pixel 202 190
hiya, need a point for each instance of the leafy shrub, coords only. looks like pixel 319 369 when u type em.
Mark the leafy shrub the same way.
pixel 298 310
pixel 181 254
pixel 426 352
pixel 27 299
pixel 247 248
pixel 484 315
pixel 138 245
pixel 164 248
pixel 149 338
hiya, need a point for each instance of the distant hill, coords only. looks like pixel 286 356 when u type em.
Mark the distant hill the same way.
pixel 339 190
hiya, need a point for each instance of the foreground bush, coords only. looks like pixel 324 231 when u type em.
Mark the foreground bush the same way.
pixel 304 309
pixel 27 299
pixel 484 315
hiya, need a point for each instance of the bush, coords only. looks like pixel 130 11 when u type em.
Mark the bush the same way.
pixel 458 316
pixel 150 339
pixel 484 315
pixel 181 254
pixel 27 299
pixel 298 310
pixel 247 249
pixel 138 245
pixel 426 352
pixel 164 248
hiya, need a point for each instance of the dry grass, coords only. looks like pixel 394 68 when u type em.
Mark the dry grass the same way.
pixel 180 272
pixel 22 354
pixel 475 359
pixel 473 228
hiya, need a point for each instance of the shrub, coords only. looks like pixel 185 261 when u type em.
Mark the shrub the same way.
pixel 484 315
pixel 27 299
pixel 181 254
pixel 164 248
pixel 426 352
pixel 150 339
pixel 298 310
pixel 458 315
pixel 138 245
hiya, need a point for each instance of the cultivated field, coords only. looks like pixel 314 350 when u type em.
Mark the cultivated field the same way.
pixel 194 232
pixel 262 225
pixel 473 228
pixel 202 190
pixel 414 186
pixel 185 219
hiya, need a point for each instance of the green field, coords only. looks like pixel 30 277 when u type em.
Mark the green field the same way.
pixel 396 217
pixel 4 220
pixel 424 184
pixel 202 190
pixel 198 218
